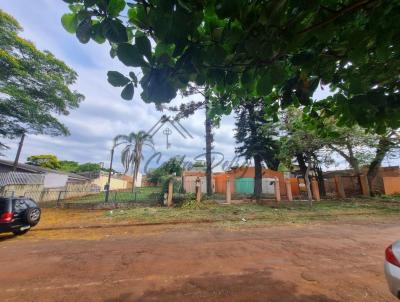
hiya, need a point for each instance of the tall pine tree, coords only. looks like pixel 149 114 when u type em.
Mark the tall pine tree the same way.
pixel 257 139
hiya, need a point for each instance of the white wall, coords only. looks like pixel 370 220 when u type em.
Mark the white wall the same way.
pixel 115 183
pixel 268 186
pixel 55 180
pixel 138 180
pixel 189 184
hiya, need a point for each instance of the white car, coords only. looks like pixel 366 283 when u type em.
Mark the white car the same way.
pixel 392 268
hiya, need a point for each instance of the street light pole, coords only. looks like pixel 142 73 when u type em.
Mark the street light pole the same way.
pixel 109 174
pixel 21 143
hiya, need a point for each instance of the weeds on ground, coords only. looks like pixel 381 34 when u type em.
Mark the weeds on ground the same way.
pixel 192 204
pixel 190 211
pixel 392 198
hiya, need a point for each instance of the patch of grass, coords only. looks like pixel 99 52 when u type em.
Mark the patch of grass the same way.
pixel 139 195
pixel 394 197
pixel 298 212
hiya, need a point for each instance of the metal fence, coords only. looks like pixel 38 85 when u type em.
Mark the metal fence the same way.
pixel 7 193
pixel 153 195
pixel 149 195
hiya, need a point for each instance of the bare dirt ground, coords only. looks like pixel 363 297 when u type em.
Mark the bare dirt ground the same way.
pixel 328 261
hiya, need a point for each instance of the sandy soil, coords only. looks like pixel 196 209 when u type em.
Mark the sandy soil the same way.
pixel 314 262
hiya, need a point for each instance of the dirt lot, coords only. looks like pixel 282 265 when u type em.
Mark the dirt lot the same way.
pixel 319 261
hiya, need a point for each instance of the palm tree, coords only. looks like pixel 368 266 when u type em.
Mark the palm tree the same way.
pixel 131 155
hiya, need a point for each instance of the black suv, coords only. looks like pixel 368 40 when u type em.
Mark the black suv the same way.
pixel 18 215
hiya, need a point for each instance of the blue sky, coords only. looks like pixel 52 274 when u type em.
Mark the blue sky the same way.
pixel 103 114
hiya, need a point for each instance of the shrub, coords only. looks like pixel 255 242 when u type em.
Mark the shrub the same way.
pixel 177 184
pixel 181 198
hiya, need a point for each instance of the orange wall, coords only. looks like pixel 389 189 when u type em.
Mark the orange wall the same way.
pixel 220 183
pixel 220 179
pixel 193 173
pixel 294 183
pixel 391 185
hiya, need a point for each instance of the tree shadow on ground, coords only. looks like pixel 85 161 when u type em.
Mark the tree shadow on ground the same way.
pixel 4 237
pixel 249 286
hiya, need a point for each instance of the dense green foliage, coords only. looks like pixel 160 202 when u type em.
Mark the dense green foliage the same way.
pixel 312 141
pixel 173 166
pixel 199 164
pixel 68 165
pixel 88 167
pixel 34 85
pixel 51 161
pixel 45 160
pixel 299 139
pixel 278 50
pixel 353 144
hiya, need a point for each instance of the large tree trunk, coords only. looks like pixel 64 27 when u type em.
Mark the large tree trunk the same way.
pixel 135 174
pixel 257 177
pixel 133 178
pixel 209 140
pixel 136 164
pixel 302 164
pixel 353 161
pixel 256 157
pixel 384 146
pixel 307 181
pixel 320 177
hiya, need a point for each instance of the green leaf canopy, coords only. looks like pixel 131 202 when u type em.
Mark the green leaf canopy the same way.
pixel 34 85
pixel 277 50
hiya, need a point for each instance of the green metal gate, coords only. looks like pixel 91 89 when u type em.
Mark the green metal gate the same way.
pixel 244 185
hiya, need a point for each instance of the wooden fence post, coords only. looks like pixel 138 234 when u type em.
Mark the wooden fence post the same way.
pixel 339 187
pixel 289 189
pixel 315 189
pixel 228 190
pixel 277 190
pixel 364 185
pixel 170 192
pixel 198 190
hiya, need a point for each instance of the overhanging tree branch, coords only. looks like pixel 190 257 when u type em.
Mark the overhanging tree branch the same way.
pixel 348 9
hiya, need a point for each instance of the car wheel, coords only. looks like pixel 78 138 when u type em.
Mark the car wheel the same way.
pixel 19 232
pixel 32 216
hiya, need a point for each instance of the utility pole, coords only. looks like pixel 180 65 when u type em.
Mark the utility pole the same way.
pixel 209 140
pixel 109 175
pixel 21 143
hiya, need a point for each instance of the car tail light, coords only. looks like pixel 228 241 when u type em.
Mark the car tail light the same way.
pixel 390 256
pixel 6 217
